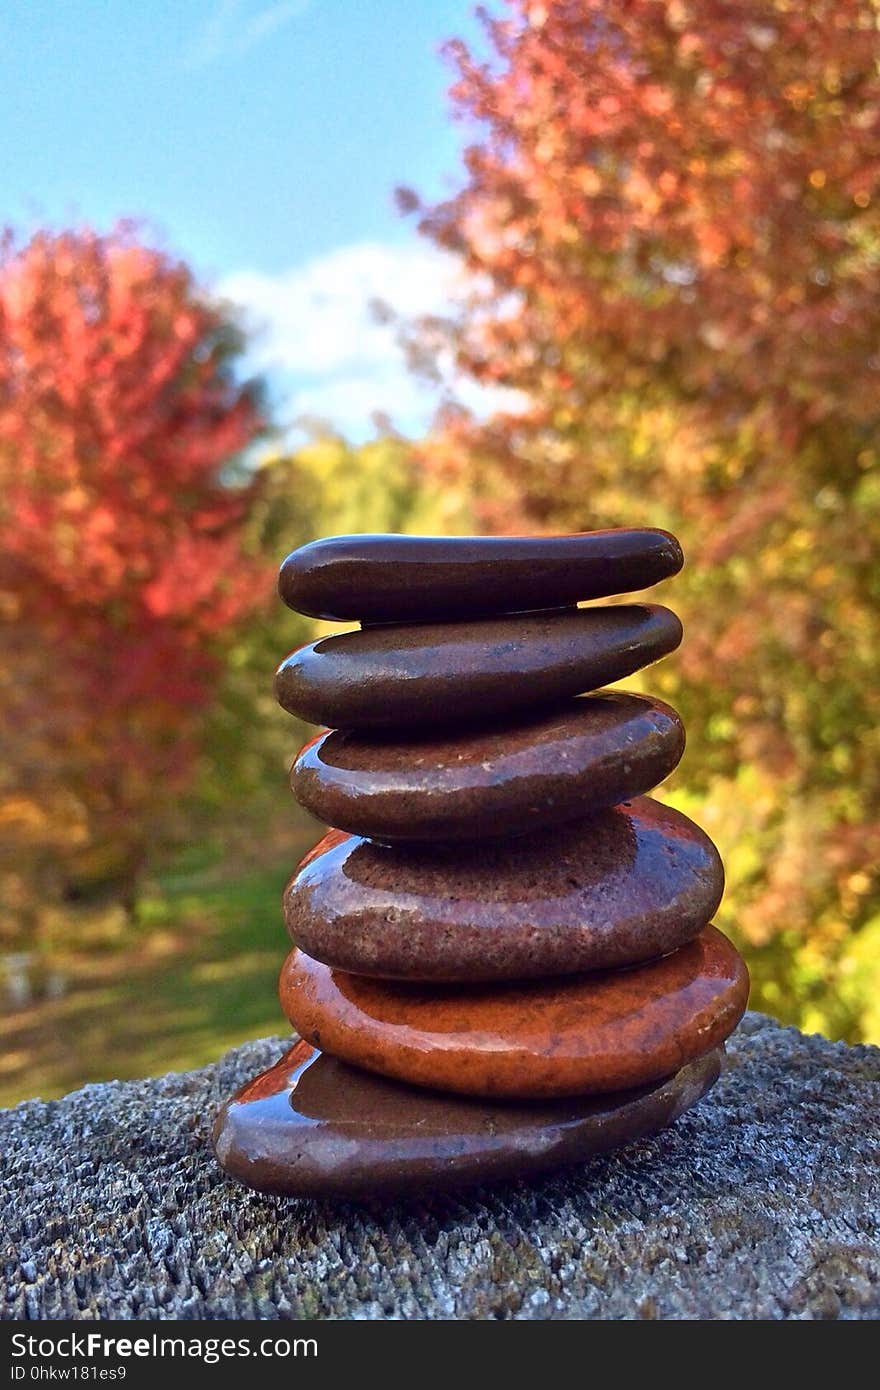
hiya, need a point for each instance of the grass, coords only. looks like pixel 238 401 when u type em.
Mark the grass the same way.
pixel 199 977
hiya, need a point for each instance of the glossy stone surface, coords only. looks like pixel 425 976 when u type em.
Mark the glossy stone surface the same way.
pixel 374 578
pixel 504 779
pixel 438 673
pixel 312 1126
pixel 622 885
pixel 563 1037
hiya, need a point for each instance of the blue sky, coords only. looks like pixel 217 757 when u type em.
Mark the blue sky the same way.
pixel 262 139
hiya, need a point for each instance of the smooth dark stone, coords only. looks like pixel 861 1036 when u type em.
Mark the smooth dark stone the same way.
pixel 501 780
pixel 437 673
pixel 416 578
pixel 312 1126
pixel 621 886
pixel 530 1040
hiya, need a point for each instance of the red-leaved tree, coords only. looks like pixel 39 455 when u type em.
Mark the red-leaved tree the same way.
pixel 121 564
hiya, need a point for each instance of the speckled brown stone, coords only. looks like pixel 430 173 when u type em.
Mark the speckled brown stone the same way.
pixel 374 578
pixel 486 783
pixel 581 1034
pixel 438 673
pixel 311 1126
pixel 620 886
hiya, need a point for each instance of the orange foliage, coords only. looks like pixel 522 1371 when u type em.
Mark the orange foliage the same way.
pixel 672 213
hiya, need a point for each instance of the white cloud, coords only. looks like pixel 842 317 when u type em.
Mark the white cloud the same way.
pixel 235 26
pixel 315 334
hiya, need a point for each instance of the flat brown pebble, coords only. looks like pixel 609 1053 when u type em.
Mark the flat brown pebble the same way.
pixel 311 1126
pixel 485 783
pixel 437 673
pixel 620 886
pixel 607 1031
pixel 375 578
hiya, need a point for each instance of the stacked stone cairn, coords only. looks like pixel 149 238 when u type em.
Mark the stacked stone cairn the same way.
pixel 503 960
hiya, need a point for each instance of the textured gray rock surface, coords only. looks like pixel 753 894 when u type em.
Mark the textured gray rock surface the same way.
pixel 764 1202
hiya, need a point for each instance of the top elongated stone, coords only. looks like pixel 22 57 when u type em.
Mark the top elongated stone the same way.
pixel 382 579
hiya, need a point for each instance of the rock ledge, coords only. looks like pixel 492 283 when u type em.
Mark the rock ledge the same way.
pixel 764 1202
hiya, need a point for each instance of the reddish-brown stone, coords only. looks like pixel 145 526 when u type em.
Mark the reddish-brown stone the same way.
pixel 620 886
pixel 374 578
pixel 312 1126
pixel 437 674
pixel 583 1034
pixel 504 779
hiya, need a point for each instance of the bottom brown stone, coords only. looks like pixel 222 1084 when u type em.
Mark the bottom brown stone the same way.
pixel 312 1126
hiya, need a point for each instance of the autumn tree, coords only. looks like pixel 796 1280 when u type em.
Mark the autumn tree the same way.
pixel 672 216
pixel 121 561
